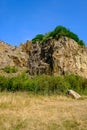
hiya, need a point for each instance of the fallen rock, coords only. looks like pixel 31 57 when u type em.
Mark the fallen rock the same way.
pixel 73 94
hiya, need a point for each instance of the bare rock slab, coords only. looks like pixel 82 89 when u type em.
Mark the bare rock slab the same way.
pixel 73 94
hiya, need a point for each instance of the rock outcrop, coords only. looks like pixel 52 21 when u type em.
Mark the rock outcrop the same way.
pixel 12 56
pixel 40 59
pixel 53 57
pixel 58 57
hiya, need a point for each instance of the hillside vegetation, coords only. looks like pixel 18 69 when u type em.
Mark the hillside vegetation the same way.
pixel 56 34
pixel 44 84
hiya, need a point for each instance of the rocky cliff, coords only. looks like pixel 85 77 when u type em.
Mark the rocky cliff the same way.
pixel 53 57
pixel 12 56
pixel 58 57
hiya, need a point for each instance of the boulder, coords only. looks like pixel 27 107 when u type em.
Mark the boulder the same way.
pixel 73 94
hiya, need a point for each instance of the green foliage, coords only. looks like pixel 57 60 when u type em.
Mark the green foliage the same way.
pixel 62 31
pixel 3 81
pixel 56 34
pixel 38 38
pixel 81 43
pixel 44 84
pixel 47 36
pixel 9 69
pixel 76 82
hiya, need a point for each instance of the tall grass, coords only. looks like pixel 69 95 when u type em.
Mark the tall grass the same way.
pixel 24 111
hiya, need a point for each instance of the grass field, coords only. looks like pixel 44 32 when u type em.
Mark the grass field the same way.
pixel 23 111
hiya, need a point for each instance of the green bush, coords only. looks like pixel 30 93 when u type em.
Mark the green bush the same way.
pixel 44 84
pixel 76 82
pixel 62 31
pixel 81 43
pixel 9 69
pixel 56 34
pixel 2 83
pixel 38 38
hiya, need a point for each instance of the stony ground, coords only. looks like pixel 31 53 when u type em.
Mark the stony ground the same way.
pixel 23 111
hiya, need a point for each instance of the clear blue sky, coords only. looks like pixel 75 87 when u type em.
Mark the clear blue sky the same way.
pixel 21 20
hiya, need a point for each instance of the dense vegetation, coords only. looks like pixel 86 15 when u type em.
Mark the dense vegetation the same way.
pixel 44 84
pixel 56 34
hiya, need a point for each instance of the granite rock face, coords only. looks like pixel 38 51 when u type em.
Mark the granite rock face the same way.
pixel 58 57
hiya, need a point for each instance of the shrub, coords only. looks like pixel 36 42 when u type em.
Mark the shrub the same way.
pixel 76 82
pixel 47 36
pixel 2 83
pixel 38 84
pixel 44 84
pixel 9 69
pixel 62 31
pixel 56 34
pixel 84 86
pixel 81 43
pixel 38 38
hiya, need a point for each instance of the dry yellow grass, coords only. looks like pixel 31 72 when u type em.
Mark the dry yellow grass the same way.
pixel 22 111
